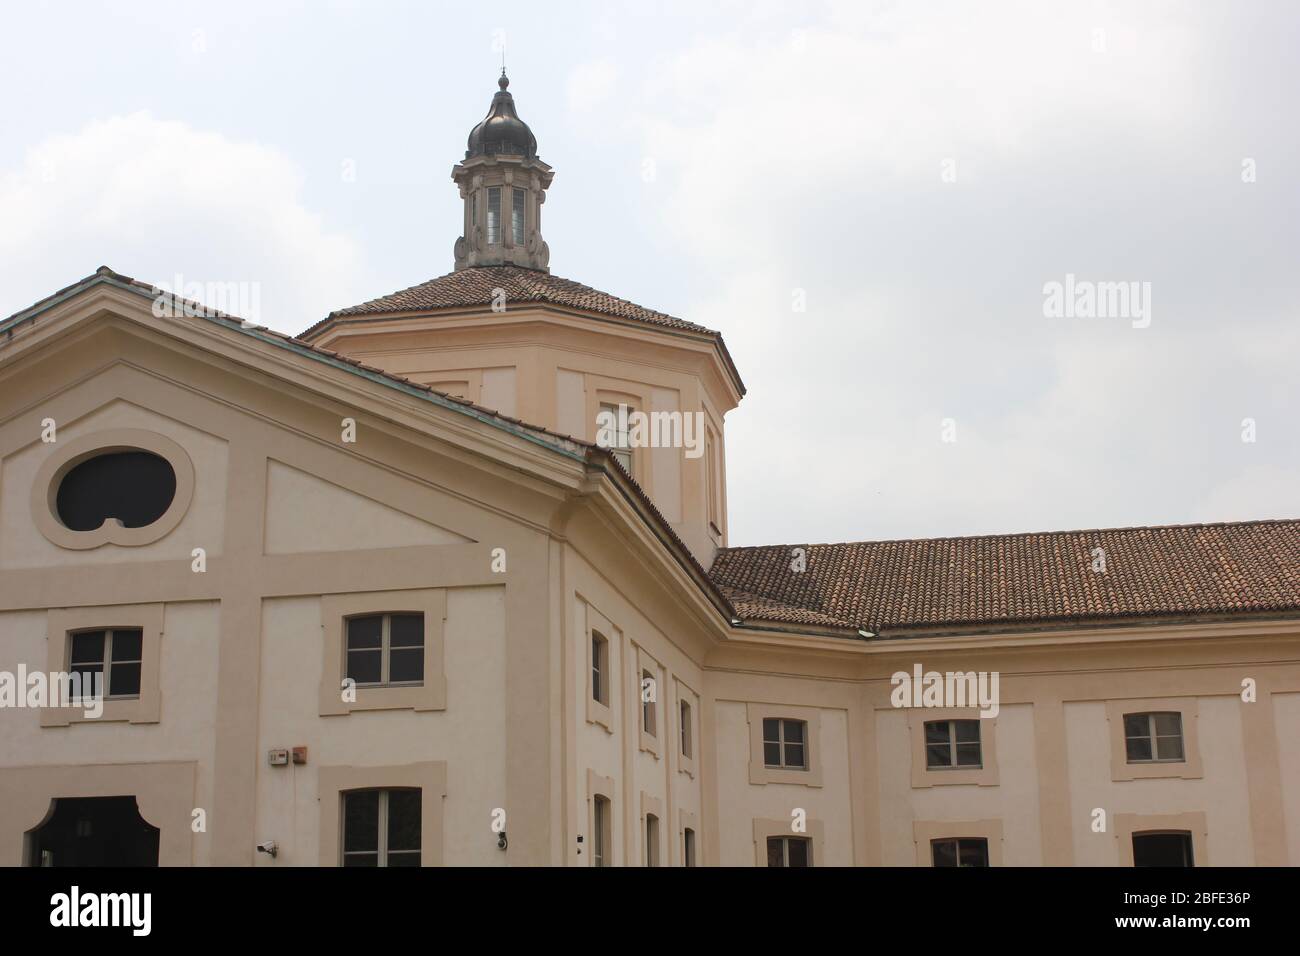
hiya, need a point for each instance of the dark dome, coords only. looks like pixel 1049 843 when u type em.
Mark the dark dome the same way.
pixel 502 132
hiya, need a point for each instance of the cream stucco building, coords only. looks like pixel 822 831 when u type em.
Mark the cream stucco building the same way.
pixel 378 595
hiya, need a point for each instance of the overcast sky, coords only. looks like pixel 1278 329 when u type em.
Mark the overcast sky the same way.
pixel 868 200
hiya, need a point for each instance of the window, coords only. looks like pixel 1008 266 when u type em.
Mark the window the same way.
pixel 967 851
pixel 381 827
pixel 517 217
pixel 600 833
pixel 1153 738
pixel 135 487
pixel 785 744
pixel 649 695
pixel 1163 849
pixel 952 743
pixel 599 669
pixel 494 216
pixel 385 649
pixel 789 851
pixel 619 442
pixel 651 840
pixel 685 710
pixel 116 654
pixel 688 847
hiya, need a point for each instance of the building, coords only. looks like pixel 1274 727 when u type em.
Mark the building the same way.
pixel 377 595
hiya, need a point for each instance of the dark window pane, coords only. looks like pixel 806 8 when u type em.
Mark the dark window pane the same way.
pixel 1138 748
pixel 968 755
pixel 974 852
pixel 365 632
pixel 1162 849
pixel 87 672
pixel 403 820
pixel 775 856
pixel 936 732
pixel 361 820
pixel 88 647
pixel 403 859
pixel 968 731
pixel 943 852
pixel 772 755
pixel 797 852
pixel 938 755
pixel 124 680
pixel 1169 748
pixel 1169 725
pixel 1136 725
pixel 406 664
pixel 363 666
pixel 771 728
pixel 794 755
pixel 794 731
pixel 127 644
pixel 406 630
pixel 361 859
pixel 135 487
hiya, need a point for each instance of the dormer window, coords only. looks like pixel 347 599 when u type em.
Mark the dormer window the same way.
pixel 494 216
pixel 517 217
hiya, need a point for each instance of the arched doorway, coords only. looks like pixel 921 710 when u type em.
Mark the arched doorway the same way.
pixel 94 831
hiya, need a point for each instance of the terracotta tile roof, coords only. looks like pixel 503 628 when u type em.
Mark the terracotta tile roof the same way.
pixel 477 287
pixel 1162 572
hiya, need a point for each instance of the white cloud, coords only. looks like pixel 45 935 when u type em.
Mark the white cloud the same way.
pixel 155 198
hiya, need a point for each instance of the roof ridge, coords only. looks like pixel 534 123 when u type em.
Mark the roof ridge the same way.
pixel 1019 534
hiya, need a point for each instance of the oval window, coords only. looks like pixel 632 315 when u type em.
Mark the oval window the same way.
pixel 135 487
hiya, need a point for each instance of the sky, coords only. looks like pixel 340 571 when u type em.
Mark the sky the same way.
pixel 897 214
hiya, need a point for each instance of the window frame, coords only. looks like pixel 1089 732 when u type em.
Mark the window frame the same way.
pixel 601 712
pixel 494 238
pixel 782 744
pixel 648 738
pixel 1189 768
pixel 815 833
pixel 759 772
pixel 1188 843
pixel 952 744
pixel 385 647
pixel 337 609
pixel 785 841
pixel 62 623
pixel 518 216
pixel 67 453
pixel 381 850
pixel 957 849
pixel 1153 738
pixel 926 832
pixel 429 777
pixel 108 660
pixel 923 776
pixel 1125 825
pixel 602 830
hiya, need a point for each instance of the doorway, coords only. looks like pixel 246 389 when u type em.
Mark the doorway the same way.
pixel 94 831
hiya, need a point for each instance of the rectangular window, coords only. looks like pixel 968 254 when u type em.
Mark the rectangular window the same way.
pixel 688 847
pixel 517 217
pixel 1154 738
pixel 649 701
pixel 685 710
pixel 789 851
pixel 600 836
pixel 381 827
pixel 620 443
pixel 785 743
pixel 1163 849
pixel 651 840
pixel 115 653
pixel 494 216
pixel 599 669
pixel 385 650
pixel 968 851
pixel 952 744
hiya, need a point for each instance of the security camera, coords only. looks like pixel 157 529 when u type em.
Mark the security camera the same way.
pixel 501 840
pixel 268 848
